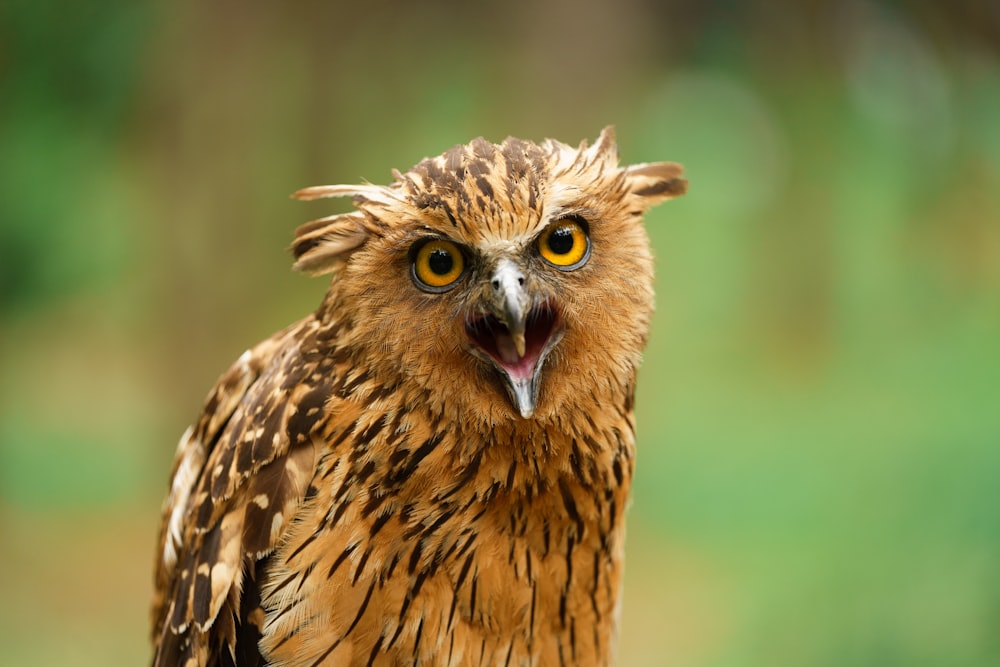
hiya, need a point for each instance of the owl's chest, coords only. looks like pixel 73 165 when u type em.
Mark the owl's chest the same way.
pixel 501 582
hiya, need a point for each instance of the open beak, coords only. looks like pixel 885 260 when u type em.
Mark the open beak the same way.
pixel 514 335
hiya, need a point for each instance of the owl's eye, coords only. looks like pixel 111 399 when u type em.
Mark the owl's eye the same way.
pixel 565 244
pixel 437 265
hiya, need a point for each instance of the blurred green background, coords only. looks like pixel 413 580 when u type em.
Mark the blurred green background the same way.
pixel 819 467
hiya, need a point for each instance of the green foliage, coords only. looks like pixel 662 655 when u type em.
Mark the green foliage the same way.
pixel 818 426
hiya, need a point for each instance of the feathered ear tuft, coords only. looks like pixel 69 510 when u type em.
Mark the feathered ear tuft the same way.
pixel 603 154
pixel 605 147
pixel 319 245
pixel 652 183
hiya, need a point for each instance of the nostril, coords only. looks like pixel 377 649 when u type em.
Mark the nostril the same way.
pixel 506 275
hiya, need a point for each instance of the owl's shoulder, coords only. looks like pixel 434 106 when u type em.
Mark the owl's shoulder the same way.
pixel 239 473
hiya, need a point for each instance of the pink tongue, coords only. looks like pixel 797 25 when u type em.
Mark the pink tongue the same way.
pixel 517 367
pixel 506 349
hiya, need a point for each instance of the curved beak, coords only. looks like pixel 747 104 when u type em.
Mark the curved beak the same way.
pixel 510 302
pixel 514 334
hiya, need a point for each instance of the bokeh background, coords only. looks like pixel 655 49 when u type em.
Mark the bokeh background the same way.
pixel 819 466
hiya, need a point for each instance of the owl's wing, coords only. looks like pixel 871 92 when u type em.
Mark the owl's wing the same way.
pixel 239 474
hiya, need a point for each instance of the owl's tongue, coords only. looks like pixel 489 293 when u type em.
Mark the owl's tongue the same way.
pixel 496 340
pixel 505 352
pixel 507 349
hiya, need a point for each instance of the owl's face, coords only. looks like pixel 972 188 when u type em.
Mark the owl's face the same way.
pixel 499 281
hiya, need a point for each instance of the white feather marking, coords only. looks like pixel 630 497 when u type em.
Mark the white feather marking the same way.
pixel 276 522
pixel 193 456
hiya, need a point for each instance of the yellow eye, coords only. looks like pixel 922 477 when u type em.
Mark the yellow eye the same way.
pixel 565 244
pixel 437 265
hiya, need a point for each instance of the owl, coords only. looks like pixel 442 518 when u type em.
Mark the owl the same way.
pixel 432 468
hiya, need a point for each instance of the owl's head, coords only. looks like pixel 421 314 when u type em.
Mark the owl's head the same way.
pixel 498 282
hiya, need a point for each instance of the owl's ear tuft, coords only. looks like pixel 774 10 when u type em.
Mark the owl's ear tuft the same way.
pixel 605 146
pixel 654 182
pixel 321 244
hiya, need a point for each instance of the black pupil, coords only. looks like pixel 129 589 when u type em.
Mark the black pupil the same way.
pixel 440 262
pixel 561 240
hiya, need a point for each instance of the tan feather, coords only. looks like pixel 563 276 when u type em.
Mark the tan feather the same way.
pixel 365 488
pixel 655 182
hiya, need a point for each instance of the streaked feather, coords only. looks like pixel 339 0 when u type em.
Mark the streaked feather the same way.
pixel 359 490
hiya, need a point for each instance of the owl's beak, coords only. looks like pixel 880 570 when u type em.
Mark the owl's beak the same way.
pixel 514 336
pixel 510 302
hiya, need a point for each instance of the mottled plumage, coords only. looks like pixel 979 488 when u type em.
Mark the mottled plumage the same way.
pixel 433 468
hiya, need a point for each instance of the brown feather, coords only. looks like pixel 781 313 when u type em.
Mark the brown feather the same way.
pixel 362 489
